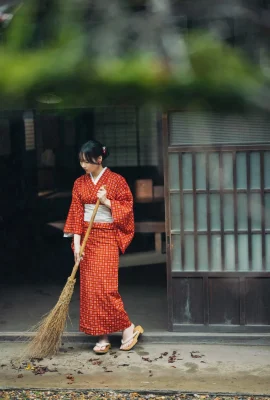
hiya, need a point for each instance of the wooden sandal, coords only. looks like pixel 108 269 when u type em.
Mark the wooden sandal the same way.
pixel 138 330
pixel 100 345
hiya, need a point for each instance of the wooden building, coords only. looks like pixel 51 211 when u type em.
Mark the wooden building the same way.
pixel 216 175
pixel 215 170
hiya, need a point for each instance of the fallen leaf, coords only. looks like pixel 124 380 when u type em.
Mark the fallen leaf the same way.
pixel 70 378
pixel 40 370
pixel 20 376
pixel 97 362
pixel 172 358
pixel 195 355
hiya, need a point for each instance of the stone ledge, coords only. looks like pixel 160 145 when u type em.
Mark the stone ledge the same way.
pixel 159 337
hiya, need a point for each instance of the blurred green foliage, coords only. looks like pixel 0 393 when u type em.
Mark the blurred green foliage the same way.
pixel 44 55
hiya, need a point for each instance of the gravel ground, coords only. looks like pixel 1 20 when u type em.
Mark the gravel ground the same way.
pixel 112 395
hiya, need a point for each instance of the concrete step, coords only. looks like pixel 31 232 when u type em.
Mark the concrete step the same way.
pixel 158 337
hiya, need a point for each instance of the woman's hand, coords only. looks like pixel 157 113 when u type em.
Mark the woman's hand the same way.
pixel 77 257
pixel 102 196
pixel 77 248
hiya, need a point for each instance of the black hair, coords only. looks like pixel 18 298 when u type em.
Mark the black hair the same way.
pixel 91 150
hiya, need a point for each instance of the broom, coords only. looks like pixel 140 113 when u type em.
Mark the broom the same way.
pixel 49 330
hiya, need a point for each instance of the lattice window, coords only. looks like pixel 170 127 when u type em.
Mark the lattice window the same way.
pixel 116 127
pixel 220 210
pixel 29 130
pixel 219 183
pixel 131 135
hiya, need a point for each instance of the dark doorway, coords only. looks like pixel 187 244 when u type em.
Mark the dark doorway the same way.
pixel 38 259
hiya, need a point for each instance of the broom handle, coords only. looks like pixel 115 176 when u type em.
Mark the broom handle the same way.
pixel 89 227
pixel 76 266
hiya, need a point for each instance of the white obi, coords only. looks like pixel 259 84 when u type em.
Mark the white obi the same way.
pixel 103 215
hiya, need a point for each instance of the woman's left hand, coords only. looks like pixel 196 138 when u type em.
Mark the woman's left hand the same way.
pixel 102 195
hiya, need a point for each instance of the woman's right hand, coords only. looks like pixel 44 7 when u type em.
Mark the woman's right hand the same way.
pixel 77 247
pixel 77 257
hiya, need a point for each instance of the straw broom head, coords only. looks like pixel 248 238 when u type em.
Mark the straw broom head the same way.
pixel 47 339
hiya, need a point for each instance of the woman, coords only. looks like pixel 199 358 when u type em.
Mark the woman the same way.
pixel 101 307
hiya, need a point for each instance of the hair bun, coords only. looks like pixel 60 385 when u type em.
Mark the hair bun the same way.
pixel 104 151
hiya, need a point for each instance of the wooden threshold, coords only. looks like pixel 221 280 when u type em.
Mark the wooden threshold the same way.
pixel 141 258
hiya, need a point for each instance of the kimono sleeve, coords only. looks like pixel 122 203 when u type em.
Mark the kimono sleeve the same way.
pixel 123 215
pixel 74 221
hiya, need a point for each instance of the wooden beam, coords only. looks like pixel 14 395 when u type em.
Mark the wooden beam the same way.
pixel 150 226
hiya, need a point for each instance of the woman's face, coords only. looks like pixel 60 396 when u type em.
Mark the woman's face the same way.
pixel 89 167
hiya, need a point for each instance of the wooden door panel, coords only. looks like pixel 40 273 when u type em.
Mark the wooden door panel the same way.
pixel 224 295
pixel 257 301
pixel 188 301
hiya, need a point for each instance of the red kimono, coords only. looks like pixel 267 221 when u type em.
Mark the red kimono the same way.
pixel 101 307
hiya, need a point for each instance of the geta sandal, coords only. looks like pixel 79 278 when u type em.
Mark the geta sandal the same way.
pixel 100 346
pixel 138 330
